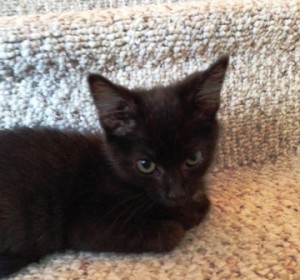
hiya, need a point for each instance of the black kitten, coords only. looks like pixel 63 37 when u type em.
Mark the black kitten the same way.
pixel 129 190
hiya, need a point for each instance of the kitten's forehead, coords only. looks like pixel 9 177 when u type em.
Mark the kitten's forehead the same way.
pixel 163 122
pixel 163 108
pixel 161 98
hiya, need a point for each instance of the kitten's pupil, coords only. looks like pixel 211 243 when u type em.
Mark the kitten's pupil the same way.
pixel 146 166
pixel 194 159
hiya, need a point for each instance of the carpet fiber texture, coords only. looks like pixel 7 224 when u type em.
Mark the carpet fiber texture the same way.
pixel 26 7
pixel 48 47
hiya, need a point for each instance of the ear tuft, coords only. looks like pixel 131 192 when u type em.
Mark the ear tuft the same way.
pixel 114 105
pixel 208 95
pixel 104 93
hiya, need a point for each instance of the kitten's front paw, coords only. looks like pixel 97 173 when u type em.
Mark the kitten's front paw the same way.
pixel 194 212
pixel 156 236
pixel 166 236
pixel 162 236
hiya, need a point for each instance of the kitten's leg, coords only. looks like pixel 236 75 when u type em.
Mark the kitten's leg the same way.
pixel 10 264
pixel 156 236
pixel 193 213
pixel 136 237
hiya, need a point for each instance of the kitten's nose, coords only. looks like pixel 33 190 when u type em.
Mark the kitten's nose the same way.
pixel 175 191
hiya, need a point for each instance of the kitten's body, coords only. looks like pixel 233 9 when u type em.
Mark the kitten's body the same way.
pixel 64 190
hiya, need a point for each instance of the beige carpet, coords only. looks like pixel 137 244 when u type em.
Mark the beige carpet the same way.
pixel 253 232
pixel 24 7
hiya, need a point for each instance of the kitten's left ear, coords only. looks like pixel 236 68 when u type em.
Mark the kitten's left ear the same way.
pixel 208 93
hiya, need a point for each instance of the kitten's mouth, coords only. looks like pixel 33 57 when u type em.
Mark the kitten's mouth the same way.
pixel 174 202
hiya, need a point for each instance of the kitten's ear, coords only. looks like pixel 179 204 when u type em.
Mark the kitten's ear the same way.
pixel 207 96
pixel 114 104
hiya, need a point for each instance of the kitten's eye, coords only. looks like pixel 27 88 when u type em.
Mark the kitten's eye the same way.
pixel 146 166
pixel 194 159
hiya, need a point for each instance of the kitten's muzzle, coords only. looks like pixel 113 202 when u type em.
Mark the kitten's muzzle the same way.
pixel 179 201
pixel 175 192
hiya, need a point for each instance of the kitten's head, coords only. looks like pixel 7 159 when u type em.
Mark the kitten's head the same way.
pixel 161 141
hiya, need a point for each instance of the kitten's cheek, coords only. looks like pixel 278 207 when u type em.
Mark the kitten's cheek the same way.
pixel 153 189
pixel 194 187
pixel 157 173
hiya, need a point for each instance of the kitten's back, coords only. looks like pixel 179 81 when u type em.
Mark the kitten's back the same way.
pixel 40 173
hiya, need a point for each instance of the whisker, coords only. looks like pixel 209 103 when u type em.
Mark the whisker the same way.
pixel 132 204
pixel 148 207
pixel 116 209
pixel 138 207
pixel 122 213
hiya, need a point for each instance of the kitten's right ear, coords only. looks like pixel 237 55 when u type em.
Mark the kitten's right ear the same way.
pixel 204 87
pixel 114 105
